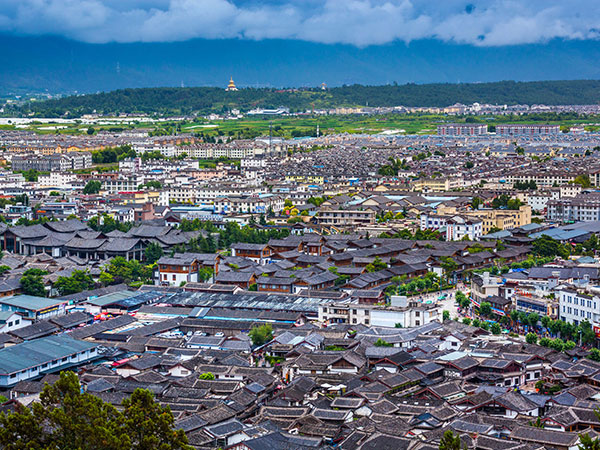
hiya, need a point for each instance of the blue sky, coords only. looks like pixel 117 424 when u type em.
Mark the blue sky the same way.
pixel 300 42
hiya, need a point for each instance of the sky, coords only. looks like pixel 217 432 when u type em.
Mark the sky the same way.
pixel 90 45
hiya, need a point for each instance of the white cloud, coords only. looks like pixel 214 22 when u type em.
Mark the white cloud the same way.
pixel 355 22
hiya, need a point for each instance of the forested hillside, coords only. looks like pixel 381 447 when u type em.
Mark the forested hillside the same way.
pixel 211 99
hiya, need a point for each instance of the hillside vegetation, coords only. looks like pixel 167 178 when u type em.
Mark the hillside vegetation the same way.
pixel 211 99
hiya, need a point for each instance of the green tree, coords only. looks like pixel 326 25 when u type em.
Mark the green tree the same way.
pixel 68 418
pixel 546 246
pixel 531 338
pixel 450 442
pixel 106 278
pixel 92 187
pixel 485 309
pixel 583 180
pixel 153 252
pixel 206 376
pixel 376 265
pixel 33 285
pixel 495 328
pixel 149 425
pixel 587 443
pixel 91 130
pixel 446 315
pixel 533 319
pixel 79 280
pixel 381 343
pixel 262 334
pixel 594 354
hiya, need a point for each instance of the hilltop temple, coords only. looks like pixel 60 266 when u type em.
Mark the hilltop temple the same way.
pixel 231 85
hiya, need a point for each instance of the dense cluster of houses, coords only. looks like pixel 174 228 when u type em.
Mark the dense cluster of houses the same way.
pixel 349 386
pixel 359 351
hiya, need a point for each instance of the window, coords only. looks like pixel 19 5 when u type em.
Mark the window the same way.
pixel 17 322
pixel 10 324
pixel 366 321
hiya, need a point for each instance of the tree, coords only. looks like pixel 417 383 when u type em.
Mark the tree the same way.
pixel 376 265
pixel 594 354
pixel 33 285
pixel 153 252
pixel 476 202
pixel 92 187
pixel 381 343
pixel 106 278
pixel 446 315
pixel 531 338
pixel 546 246
pixel 583 180
pixel 462 299
pixel 66 417
pixel 206 376
pixel 79 280
pixel 91 130
pixel 262 334
pixel 450 442
pixel 149 425
pixel 495 328
pixel 466 321
pixel 587 443
pixel 485 309
pixel 546 321
pixel 448 265
pixel 533 319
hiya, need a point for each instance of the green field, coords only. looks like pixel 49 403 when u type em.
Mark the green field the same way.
pixel 296 126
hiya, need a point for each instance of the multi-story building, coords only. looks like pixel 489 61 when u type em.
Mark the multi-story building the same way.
pixel 526 129
pixel 177 270
pixel 438 184
pixel 400 312
pixel 346 218
pixel 127 183
pixel 52 163
pixel 504 219
pixel 577 306
pixel 252 205
pixel 484 286
pixel 462 129
pixel 542 178
pixel 539 200
pixel 56 179
pixel 455 227
pixel 582 208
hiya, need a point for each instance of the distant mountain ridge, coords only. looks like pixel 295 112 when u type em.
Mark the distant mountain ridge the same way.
pixel 186 100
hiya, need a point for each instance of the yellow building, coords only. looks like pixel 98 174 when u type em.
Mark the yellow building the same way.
pixel 438 184
pixel 504 219
pixel 312 179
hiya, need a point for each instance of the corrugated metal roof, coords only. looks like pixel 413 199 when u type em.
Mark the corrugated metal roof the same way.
pixel 40 351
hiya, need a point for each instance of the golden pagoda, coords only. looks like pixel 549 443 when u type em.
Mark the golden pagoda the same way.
pixel 231 85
